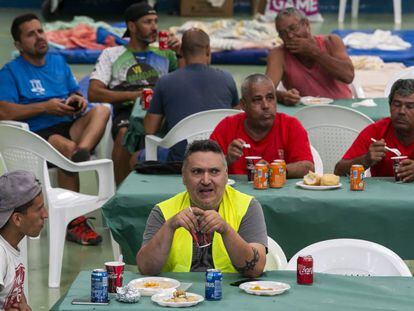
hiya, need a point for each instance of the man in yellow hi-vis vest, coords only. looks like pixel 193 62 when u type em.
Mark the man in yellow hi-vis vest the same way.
pixel 210 225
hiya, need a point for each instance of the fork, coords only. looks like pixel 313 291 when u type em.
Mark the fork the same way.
pixel 393 150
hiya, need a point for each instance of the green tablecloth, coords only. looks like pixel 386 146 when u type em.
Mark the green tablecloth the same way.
pixel 328 292
pixel 136 132
pixel 295 218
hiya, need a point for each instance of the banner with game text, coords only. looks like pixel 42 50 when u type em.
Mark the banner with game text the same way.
pixel 309 7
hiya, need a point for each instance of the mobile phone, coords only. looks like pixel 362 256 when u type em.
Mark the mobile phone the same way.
pixel 239 282
pixel 87 301
pixel 75 104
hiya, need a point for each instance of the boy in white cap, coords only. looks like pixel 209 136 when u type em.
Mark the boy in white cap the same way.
pixel 22 212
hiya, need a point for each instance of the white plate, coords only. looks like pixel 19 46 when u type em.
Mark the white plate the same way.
pixel 308 187
pixel 161 300
pixel 166 284
pixel 310 100
pixel 231 182
pixel 272 288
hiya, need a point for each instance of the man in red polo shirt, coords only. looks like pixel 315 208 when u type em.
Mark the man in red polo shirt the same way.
pixel 396 131
pixel 270 135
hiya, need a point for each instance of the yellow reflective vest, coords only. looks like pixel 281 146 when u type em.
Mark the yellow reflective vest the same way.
pixel 232 209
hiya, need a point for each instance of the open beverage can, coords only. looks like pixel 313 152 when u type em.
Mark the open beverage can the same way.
pixel 213 284
pixel 277 175
pixel 163 40
pixel 356 176
pixel 304 272
pixel 260 176
pixel 99 285
pixel 146 97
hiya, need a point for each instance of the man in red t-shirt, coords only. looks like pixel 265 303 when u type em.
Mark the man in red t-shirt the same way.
pixel 394 132
pixel 270 135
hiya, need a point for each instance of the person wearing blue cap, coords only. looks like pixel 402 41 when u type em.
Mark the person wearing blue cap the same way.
pixel 122 72
pixel 22 213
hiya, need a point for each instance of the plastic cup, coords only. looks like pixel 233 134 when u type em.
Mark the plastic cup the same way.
pixel 115 271
pixel 396 164
pixel 251 162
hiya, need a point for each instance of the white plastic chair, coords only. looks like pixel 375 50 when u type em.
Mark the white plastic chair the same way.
pixel 196 126
pixel 407 73
pixel 22 149
pixel 317 161
pixel 355 9
pixel 331 130
pixel 275 258
pixel 352 257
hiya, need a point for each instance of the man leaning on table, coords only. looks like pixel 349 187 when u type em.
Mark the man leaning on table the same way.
pixel 396 131
pixel 308 65
pixel 261 131
pixel 232 220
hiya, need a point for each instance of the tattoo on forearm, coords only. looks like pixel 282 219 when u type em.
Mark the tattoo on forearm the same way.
pixel 250 264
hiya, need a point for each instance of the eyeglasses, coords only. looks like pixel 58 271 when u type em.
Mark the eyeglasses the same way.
pixel 398 105
pixel 291 28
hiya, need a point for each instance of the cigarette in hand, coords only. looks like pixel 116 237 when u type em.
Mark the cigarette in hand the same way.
pixel 246 145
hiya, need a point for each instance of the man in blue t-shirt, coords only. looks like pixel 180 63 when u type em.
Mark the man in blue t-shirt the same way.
pixel 196 87
pixel 38 88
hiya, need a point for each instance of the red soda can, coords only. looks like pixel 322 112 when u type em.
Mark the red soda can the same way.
pixel 163 40
pixel 146 98
pixel 305 270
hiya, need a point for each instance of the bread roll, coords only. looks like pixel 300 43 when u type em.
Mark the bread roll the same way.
pixel 311 179
pixel 329 180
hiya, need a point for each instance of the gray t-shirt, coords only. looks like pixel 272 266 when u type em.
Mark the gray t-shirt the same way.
pixel 252 229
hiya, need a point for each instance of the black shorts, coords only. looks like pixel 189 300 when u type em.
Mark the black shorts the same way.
pixel 121 119
pixel 61 129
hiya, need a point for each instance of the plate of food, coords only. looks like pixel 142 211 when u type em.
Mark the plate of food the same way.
pixel 264 288
pixel 310 100
pixel 314 181
pixel 177 299
pixel 231 182
pixel 152 285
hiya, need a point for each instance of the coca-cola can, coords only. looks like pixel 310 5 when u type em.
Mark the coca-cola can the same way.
pixel 163 40
pixel 146 98
pixel 305 270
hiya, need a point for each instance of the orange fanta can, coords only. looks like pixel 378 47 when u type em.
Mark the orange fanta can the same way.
pixel 260 176
pixel 357 177
pixel 277 175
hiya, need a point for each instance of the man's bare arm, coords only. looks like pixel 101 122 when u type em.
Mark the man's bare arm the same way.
pixel 274 70
pixel 99 93
pixel 376 152
pixel 343 167
pixel 152 123
pixel 336 61
pixel 299 169
pixel 153 255
pixel 275 65
pixel 54 106
pixel 248 258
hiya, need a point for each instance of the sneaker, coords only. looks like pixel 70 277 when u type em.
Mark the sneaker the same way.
pixel 80 155
pixel 80 231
